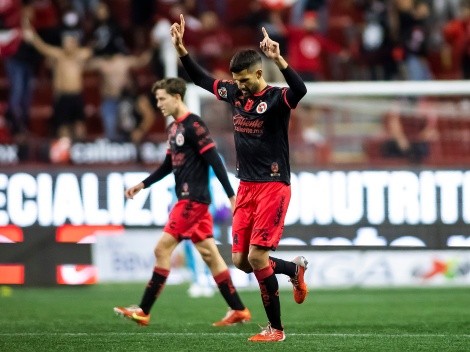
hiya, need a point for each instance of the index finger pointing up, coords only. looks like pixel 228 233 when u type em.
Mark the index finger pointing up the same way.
pixel 264 32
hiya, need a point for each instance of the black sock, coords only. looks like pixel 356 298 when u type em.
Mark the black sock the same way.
pixel 282 266
pixel 269 287
pixel 228 291
pixel 153 289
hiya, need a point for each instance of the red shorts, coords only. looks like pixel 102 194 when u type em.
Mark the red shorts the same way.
pixel 190 220
pixel 259 215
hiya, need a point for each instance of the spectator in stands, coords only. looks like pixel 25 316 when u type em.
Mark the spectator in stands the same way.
pixel 68 64
pixel 260 15
pixel 142 15
pixel 164 61
pixel 410 135
pixel 85 7
pixel 306 48
pixel 310 146
pixel 46 20
pixel 10 27
pixel 107 37
pixel 413 32
pixel 445 10
pixel 215 44
pixel 21 61
pixel 376 43
pixel 71 20
pixel 219 7
pixel 300 7
pixel 115 71
pixel 136 114
pixel 457 34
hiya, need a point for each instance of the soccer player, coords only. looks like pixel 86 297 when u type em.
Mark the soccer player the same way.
pixel 190 152
pixel 260 118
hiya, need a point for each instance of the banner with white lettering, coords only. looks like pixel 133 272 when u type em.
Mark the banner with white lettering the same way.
pixel 372 208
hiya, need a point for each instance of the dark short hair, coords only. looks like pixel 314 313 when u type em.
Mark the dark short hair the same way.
pixel 171 85
pixel 244 59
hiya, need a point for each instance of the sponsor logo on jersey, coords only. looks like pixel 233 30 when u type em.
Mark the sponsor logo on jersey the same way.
pixel 275 170
pixel 179 139
pixel 222 92
pixel 261 107
pixel 185 190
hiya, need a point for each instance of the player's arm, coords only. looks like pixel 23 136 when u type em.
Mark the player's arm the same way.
pixel 213 159
pixel 165 169
pixel 297 88
pixel 197 74
pixel 157 175
pixel 148 118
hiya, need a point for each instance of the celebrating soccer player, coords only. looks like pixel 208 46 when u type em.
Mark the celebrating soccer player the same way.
pixel 190 152
pixel 261 116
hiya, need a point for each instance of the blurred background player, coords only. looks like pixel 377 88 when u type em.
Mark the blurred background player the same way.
pixel 190 152
pixel 261 119
pixel 201 278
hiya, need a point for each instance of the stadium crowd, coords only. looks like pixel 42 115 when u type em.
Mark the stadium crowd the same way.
pixel 77 70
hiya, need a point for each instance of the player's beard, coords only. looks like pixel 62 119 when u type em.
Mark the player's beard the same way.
pixel 247 92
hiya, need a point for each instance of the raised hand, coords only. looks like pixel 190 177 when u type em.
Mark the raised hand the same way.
pixel 28 31
pixel 177 33
pixel 269 47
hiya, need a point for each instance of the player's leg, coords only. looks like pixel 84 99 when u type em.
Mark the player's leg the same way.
pixel 273 201
pixel 141 313
pixel 201 278
pixel 295 269
pixel 205 244
pixel 242 225
pixel 259 259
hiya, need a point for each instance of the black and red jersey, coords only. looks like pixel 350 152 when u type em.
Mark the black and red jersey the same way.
pixel 188 139
pixel 260 124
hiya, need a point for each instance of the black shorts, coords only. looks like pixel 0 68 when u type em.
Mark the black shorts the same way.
pixel 68 109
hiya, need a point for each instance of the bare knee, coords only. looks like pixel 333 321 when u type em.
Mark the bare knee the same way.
pixel 257 259
pixel 206 255
pixel 160 252
pixel 241 262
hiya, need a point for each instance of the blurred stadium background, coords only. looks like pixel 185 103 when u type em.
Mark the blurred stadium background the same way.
pixel 361 216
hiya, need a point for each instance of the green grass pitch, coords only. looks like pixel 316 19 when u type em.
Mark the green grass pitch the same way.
pixel 81 319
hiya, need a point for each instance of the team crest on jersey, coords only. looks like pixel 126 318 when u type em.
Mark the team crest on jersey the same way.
pixel 222 92
pixel 179 139
pixel 275 170
pixel 261 107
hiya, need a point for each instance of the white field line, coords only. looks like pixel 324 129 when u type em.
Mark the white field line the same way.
pixel 214 334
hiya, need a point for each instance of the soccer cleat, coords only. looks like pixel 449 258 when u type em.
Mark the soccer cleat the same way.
pixel 134 313
pixel 268 334
pixel 298 283
pixel 233 317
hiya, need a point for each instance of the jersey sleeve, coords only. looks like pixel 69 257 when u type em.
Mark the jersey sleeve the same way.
pixel 225 90
pixel 199 135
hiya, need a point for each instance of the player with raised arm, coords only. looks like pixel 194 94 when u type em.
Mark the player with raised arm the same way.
pixel 261 116
pixel 190 152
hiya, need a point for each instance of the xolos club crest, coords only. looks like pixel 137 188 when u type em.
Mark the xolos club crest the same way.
pixel 262 107
pixel 179 139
